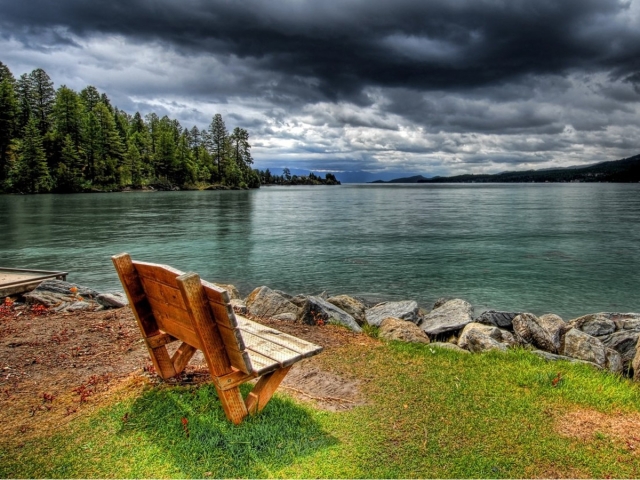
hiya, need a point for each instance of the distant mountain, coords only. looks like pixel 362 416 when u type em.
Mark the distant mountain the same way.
pixel 626 170
pixel 413 179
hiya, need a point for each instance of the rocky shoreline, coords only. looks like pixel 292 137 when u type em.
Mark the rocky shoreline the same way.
pixel 604 340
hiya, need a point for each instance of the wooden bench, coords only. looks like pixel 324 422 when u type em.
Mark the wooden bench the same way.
pixel 170 305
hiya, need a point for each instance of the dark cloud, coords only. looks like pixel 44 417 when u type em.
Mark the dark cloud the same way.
pixel 400 83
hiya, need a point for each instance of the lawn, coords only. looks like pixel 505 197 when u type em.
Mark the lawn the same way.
pixel 429 412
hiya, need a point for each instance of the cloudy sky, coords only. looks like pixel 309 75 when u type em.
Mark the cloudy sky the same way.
pixel 436 87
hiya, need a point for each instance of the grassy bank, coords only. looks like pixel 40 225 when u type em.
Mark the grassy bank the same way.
pixel 429 413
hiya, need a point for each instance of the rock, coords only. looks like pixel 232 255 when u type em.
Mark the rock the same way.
pixel 451 316
pixel 624 342
pixel 284 294
pixel 350 305
pixel 319 310
pixel 479 342
pixel 233 292
pixel 635 363
pixel 441 301
pixel 264 302
pixel 402 330
pixel 239 306
pixel 405 310
pixel 299 300
pixel 286 317
pixel 449 346
pixel 323 295
pixel 578 344
pixel 555 327
pixel 595 324
pixel 112 300
pixel 52 293
pixel 497 334
pixel 614 362
pixel 499 319
pixel 554 358
pixel 79 306
pixel 528 328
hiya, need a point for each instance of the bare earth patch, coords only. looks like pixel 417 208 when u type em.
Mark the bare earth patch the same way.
pixel 584 424
pixel 56 366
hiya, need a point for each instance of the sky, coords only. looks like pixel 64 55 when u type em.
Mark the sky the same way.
pixel 364 88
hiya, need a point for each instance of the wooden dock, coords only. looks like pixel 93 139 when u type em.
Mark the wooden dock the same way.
pixel 14 281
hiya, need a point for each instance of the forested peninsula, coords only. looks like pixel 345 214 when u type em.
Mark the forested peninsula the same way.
pixel 59 140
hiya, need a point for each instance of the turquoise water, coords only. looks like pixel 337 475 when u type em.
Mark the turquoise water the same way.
pixel 569 249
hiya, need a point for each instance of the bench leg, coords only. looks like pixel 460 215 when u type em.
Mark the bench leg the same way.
pixel 182 356
pixel 264 390
pixel 233 404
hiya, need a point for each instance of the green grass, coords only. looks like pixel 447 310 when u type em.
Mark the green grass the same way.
pixel 430 413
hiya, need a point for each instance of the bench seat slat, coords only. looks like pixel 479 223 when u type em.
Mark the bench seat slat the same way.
pixel 262 364
pixel 282 355
pixel 304 348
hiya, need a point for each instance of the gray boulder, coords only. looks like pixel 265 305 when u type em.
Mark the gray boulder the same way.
pixel 284 294
pixel 264 302
pixel 595 324
pixel 479 342
pixel 318 310
pixel 501 336
pixel 624 342
pixel 405 310
pixel 555 327
pixel 441 301
pixel 286 317
pixel 498 319
pixel 614 362
pixel 529 329
pixel 350 305
pixel 578 344
pixel 299 300
pixel 635 363
pixel 233 292
pixel 402 330
pixel 112 300
pixel 52 293
pixel 451 316
pixel 554 358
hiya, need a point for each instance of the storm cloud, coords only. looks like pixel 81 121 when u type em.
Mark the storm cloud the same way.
pixel 437 87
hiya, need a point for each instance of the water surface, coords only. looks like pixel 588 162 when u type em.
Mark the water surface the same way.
pixel 569 249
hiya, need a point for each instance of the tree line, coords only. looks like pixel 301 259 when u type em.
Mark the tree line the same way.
pixel 267 178
pixel 64 141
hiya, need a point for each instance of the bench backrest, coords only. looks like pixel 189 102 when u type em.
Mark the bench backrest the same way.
pixel 172 309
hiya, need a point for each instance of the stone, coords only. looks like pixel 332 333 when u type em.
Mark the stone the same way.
pixel 580 345
pixel 554 358
pixel 264 302
pixel 479 342
pixel 318 310
pixel 449 346
pixel 441 301
pixel 112 300
pixel 405 310
pixel 555 327
pixel 499 319
pixel 233 292
pixel 449 317
pixel 79 306
pixel 239 306
pixel 402 330
pixel 635 363
pixel 51 293
pixel 497 334
pixel 528 329
pixel 350 305
pixel 595 324
pixel 624 342
pixel 299 300
pixel 286 317
pixel 284 294
pixel 614 362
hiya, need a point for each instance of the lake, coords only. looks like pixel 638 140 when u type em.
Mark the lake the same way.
pixel 569 249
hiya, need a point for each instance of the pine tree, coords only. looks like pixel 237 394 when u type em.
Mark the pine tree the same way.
pixel 42 98
pixel 90 97
pixel 67 115
pixel 30 174
pixel 23 90
pixel 218 136
pixel 69 172
pixel 8 123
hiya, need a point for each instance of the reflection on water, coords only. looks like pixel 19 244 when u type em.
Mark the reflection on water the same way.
pixel 568 249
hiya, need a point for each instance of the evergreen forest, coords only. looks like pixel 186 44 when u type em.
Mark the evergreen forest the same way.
pixel 60 140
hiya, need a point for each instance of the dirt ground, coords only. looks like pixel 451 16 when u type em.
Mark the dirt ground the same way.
pixel 57 366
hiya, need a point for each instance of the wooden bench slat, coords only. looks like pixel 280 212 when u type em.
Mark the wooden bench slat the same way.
pixel 232 336
pixel 158 272
pixel 224 315
pixel 215 293
pixel 306 349
pixel 163 293
pixel 262 364
pixel 282 355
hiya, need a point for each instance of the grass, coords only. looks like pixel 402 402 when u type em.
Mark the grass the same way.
pixel 430 413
